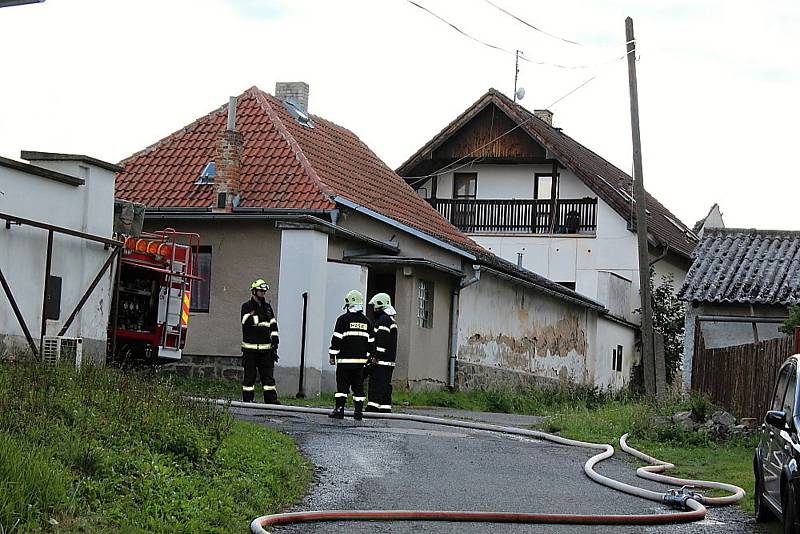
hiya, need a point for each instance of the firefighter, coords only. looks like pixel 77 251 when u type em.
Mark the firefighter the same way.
pixel 350 349
pixel 382 361
pixel 259 344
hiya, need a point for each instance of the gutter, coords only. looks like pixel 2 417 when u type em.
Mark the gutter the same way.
pixel 413 231
pixel 463 283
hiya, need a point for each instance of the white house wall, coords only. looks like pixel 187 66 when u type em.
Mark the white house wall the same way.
pixel 610 335
pixel 561 259
pixel 87 208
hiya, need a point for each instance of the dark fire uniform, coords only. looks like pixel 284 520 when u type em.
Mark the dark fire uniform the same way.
pixel 383 360
pixel 351 346
pixel 259 347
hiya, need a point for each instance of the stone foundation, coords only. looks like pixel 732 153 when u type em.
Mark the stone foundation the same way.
pixel 475 376
pixel 219 367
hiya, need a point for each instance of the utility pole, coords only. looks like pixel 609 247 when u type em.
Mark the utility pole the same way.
pixel 648 355
pixel 516 75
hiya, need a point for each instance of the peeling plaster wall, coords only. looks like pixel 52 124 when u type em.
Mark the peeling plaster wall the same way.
pixel 507 326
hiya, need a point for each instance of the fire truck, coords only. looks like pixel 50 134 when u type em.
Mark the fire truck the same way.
pixel 150 318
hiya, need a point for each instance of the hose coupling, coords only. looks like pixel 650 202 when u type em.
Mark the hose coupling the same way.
pixel 677 497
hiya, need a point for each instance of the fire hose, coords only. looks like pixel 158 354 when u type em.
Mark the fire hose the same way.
pixel 690 503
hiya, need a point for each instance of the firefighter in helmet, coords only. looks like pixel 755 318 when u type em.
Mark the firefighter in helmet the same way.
pixel 382 360
pixel 259 344
pixel 350 349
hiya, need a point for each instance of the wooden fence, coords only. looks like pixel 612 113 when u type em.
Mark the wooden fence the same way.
pixel 739 378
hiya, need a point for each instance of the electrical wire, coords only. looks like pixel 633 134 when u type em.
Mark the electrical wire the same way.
pixel 528 24
pixel 500 48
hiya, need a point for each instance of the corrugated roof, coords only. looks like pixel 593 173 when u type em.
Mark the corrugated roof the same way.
pixel 744 266
pixel 611 184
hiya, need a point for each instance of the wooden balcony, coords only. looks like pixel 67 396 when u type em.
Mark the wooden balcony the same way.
pixel 562 216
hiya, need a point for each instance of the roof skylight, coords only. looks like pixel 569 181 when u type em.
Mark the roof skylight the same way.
pixel 207 174
pixel 297 111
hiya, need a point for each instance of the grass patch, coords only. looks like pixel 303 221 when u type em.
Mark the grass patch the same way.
pixel 100 450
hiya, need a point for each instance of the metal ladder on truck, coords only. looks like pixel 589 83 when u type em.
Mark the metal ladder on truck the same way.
pixel 175 312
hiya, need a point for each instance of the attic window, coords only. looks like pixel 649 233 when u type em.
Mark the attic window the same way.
pixel 207 174
pixel 297 111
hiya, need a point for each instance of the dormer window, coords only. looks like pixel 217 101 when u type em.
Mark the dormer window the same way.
pixel 297 111
pixel 207 174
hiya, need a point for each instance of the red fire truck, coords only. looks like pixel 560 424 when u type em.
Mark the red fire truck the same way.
pixel 150 317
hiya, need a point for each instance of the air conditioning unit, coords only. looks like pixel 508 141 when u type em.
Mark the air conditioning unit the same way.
pixel 57 348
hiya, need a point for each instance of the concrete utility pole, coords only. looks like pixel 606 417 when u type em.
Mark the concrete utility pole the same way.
pixel 648 355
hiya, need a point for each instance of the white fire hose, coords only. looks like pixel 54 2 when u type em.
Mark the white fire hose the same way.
pixel 691 504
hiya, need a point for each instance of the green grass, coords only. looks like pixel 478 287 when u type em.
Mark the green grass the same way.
pixel 100 450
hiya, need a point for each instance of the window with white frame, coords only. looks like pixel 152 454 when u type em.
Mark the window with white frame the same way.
pixel 425 304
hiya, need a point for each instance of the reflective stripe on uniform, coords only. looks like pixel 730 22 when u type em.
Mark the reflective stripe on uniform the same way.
pixel 373 404
pixel 274 334
pixel 256 346
pixel 385 406
pixel 351 360
pixel 248 388
pixel 270 388
pixel 372 340
pixel 382 328
pixel 246 317
pixel 337 334
pixel 393 326
pixel 355 333
pixel 358 399
pixel 333 352
pixel 380 349
pixel 340 395
pixel 387 364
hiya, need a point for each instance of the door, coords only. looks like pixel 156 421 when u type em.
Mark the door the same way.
pixel 772 467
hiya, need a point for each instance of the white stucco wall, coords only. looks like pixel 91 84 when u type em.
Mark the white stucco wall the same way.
pixel 87 208
pixel 609 335
pixel 561 259
pixel 303 269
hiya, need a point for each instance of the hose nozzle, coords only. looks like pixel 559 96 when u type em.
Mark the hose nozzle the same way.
pixel 677 498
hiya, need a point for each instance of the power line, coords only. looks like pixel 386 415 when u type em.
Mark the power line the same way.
pixel 500 48
pixel 528 24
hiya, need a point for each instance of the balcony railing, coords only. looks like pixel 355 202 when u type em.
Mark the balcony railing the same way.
pixel 563 216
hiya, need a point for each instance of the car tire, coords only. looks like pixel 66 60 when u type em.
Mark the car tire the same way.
pixel 789 509
pixel 763 513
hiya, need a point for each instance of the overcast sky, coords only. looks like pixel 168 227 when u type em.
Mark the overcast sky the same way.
pixel 719 80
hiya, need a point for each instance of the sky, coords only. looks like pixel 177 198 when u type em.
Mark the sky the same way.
pixel 719 80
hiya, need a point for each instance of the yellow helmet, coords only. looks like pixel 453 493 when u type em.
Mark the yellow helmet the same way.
pixel 259 284
pixel 353 297
pixel 381 301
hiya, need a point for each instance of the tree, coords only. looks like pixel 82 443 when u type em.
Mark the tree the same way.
pixel 792 322
pixel 668 320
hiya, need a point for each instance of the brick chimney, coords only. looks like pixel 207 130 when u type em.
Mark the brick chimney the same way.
pixel 294 90
pixel 545 114
pixel 228 161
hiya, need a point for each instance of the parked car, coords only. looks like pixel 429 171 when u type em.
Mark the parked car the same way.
pixel 775 464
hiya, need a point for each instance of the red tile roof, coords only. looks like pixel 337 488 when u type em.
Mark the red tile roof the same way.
pixel 284 165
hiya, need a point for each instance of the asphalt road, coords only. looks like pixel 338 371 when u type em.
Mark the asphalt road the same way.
pixel 383 464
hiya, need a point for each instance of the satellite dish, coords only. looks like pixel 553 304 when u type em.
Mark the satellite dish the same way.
pixel 520 94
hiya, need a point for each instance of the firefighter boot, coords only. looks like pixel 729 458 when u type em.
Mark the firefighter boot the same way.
pixel 338 411
pixel 271 395
pixel 248 393
pixel 359 408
